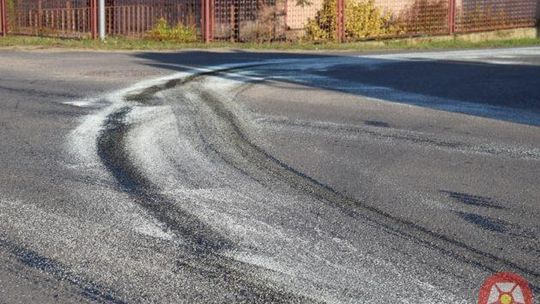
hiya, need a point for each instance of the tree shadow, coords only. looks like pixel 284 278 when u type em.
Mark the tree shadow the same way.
pixel 509 92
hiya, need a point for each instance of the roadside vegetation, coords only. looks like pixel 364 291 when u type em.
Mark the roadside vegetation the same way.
pixel 362 20
pixel 368 27
pixel 365 19
pixel 180 33
pixel 31 42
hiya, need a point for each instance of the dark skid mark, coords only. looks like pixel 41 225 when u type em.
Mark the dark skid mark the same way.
pixel 111 143
pixel 257 157
pixel 87 288
pixel 148 94
pixel 376 123
pixel 474 200
pixel 40 93
pixel 203 240
pixel 409 138
pixel 483 222
pixel 113 139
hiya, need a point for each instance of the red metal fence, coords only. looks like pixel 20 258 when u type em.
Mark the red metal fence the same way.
pixel 482 15
pixel 268 20
pixel 72 18
pixel 249 20
pixel 136 17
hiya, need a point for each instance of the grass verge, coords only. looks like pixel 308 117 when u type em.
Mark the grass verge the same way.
pixel 31 42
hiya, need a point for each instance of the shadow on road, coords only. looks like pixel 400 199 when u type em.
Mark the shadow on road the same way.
pixel 509 92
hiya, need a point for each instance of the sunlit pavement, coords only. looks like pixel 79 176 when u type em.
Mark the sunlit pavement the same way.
pixel 250 177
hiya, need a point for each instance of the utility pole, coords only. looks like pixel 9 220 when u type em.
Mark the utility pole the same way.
pixel 102 19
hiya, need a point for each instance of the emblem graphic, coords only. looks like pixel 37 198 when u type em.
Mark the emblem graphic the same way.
pixel 505 288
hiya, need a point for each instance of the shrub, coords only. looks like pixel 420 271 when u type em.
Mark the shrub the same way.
pixel 179 33
pixel 323 26
pixel 363 19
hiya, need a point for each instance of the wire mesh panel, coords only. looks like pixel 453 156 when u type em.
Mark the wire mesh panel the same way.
pixel 482 15
pixel 299 13
pixel 68 18
pixel 268 20
pixel 368 19
pixel 137 17
pixel 418 17
pixel 249 20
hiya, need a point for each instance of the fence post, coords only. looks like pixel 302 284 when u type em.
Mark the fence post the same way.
pixel 3 18
pixel 286 14
pixel 40 15
pixel 232 24
pixel 212 18
pixel 102 19
pixel 451 16
pixel 340 22
pixel 206 26
pixel 93 18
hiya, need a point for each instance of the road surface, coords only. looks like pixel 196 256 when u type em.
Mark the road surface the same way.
pixel 229 176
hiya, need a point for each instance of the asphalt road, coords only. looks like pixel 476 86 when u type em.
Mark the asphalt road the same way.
pixel 220 177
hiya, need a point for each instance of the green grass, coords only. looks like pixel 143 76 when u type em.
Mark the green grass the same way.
pixel 30 42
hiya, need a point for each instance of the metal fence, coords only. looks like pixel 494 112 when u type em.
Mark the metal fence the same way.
pixel 268 20
pixel 249 20
pixel 50 17
pixel 136 17
pixel 482 15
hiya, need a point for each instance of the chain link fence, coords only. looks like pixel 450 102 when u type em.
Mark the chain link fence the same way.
pixel 267 20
